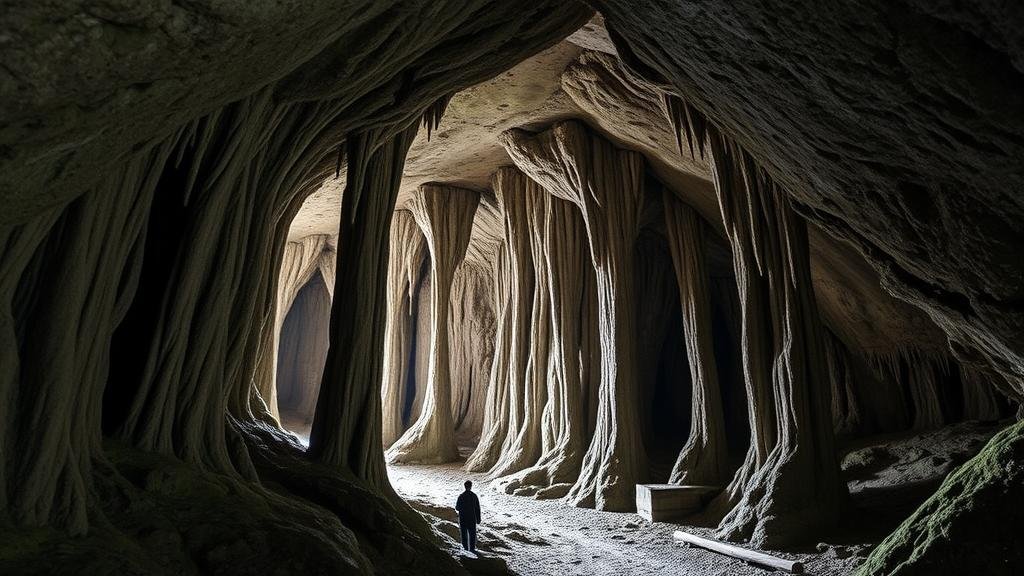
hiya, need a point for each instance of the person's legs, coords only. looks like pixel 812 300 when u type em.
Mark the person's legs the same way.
pixel 472 538
pixel 465 531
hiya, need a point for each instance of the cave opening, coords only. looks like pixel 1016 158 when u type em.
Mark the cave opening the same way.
pixel 302 352
pixel 647 273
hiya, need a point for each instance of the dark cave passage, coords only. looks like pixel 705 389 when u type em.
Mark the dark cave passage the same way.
pixel 301 355
pixel 277 278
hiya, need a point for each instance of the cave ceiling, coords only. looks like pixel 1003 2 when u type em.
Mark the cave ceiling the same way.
pixel 581 77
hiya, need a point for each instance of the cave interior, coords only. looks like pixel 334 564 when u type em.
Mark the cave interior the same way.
pixel 276 277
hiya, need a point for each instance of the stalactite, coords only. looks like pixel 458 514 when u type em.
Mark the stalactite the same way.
pixel 922 376
pixel 797 487
pixel 522 446
pixel 511 189
pixel 565 256
pixel 445 215
pixel 704 460
pixel 606 184
pixel 347 426
pixel 981 399
pixel 405 261
pixel 300 261
pixel 432 115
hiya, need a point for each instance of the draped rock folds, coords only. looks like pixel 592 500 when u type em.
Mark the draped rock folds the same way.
pixel 789 483
pixel 151 160
pixel 445 215
pixel 704 458
pixel 508 379
pixel 404 264
pixel 301 260
pixel 140 258
pixel 606 185
pixel 563 249
pixel 522 444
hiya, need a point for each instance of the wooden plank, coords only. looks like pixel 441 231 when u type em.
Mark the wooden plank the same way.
pixel 660 502
pixel 751 556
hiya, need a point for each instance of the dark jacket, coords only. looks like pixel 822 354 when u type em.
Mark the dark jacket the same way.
pixel 468 506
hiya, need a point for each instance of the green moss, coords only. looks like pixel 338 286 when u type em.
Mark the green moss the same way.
pixel 971 525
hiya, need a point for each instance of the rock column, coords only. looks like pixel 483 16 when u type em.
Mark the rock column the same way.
pixel 606 184
pixel 404 261
pixel 445 214
pixel 347 426
pixel 522 446
pixel 704 460
pixel 565 255
pixel 511 188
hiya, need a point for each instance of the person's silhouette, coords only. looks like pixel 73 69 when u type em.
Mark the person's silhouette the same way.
pixel 468 506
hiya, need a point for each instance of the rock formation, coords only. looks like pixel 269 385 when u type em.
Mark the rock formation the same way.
pixel 522 445
pixel 445 215
pixel 606 184
pixel 705 458
pixel 472 347
pixel 300 262
pixel 405 261
pixel 512 189
pixel 304 340
pixel 187 187
pixel 561 245
pixel 347 429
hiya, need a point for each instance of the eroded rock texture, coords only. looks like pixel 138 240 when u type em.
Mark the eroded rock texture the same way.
pixel 407 249
pixel 152 244
pixel 606 184
pixel 508 381
pixel 854 152
pixel 704 458
pixel 902 137
pixel 445 215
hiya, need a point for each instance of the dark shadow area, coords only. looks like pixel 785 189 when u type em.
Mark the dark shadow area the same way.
pixel 301 355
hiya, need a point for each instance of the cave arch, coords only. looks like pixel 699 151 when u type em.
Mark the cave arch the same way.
pixel 301 356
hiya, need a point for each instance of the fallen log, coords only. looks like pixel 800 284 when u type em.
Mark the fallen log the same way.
pixel 759 558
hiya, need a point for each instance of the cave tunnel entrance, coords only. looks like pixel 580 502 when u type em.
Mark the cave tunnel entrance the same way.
pixel 302 351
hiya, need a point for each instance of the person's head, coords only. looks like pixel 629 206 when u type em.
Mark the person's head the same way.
pixel 469 484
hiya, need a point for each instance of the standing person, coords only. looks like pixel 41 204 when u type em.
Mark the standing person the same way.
pixel 468 506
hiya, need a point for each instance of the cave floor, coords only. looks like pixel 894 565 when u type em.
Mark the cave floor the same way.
pixel 550 537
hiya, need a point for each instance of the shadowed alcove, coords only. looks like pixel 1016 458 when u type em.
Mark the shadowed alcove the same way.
pixel 301 355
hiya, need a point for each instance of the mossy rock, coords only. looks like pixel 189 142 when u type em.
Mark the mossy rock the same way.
pixel 971 525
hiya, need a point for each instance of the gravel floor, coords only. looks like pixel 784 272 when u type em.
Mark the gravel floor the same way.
pixel 539 538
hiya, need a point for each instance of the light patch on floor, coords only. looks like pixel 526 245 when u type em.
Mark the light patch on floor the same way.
pixel 538 538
